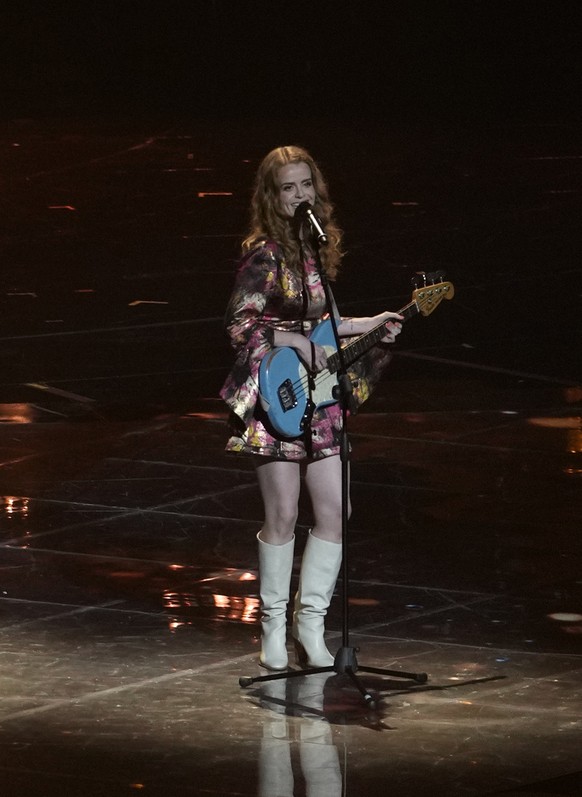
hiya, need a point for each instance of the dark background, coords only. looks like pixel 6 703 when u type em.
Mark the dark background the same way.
pixel 425 61
pixel 449 133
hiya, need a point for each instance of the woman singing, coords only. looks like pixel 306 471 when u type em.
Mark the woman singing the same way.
pixel 277 300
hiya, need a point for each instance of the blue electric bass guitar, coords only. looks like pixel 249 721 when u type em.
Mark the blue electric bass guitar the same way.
pixel 290 393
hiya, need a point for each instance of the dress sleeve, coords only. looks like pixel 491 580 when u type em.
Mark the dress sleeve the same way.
pixel 249 328
pixel 255 282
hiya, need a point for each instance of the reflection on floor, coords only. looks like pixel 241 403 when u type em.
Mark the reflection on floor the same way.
pixel 128 591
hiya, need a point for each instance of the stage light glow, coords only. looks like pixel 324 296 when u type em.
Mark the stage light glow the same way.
pixel 16 413
pixel 12 505
pixel 566 617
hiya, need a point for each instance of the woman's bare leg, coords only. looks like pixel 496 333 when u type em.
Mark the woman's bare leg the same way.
pixel 279 483
pixel 324 482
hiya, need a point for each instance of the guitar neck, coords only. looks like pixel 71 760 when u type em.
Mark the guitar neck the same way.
pixel 356 348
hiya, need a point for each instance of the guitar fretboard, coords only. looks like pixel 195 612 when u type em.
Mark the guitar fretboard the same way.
pixel 361 345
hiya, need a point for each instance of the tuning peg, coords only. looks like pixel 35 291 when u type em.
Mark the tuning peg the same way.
pixel 421 278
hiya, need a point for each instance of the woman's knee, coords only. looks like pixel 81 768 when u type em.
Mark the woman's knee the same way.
pixel 280 484
pixel 281 518
pixel 328 514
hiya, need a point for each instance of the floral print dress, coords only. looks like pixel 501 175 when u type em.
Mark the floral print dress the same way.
pixel 269 296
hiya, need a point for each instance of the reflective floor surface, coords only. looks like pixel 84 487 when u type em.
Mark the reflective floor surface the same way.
pixel 128 575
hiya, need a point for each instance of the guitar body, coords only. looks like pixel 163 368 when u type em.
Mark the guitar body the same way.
pixel 289 395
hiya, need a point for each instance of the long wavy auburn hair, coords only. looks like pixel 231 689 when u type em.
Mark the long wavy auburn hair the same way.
pixel 268 221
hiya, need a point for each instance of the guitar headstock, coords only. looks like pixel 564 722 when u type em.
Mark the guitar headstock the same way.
pixel 430 289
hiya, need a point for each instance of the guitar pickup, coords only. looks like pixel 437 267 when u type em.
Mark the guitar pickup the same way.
pixel 287 396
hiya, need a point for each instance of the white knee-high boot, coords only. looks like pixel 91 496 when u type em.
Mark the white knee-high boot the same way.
pixel 275 566
pixel 319 572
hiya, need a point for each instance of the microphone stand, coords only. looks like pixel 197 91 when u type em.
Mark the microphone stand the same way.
pixel 345 661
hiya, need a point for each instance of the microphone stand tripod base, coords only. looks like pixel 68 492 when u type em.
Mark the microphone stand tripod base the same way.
pixel 346 662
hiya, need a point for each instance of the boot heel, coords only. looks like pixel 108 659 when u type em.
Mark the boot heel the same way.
pixel 300 654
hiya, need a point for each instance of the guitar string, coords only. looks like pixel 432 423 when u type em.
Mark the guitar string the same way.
pixel 301 386
pixel 303 382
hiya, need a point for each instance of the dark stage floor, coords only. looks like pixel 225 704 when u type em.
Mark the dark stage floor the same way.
pixel 128 591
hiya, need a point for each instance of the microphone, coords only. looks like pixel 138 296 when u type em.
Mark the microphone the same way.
pixel 305 211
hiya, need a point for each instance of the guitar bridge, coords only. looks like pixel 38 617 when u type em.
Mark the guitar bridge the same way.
pixel 286 394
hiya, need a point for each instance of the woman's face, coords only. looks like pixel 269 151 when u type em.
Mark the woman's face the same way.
pixel 295 185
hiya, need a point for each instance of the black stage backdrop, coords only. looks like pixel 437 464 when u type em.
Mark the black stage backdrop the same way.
pixel 433 60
